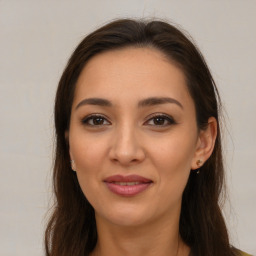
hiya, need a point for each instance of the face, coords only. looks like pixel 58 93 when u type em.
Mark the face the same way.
pixel 133 135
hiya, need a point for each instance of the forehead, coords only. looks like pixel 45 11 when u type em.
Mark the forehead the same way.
pixel 131 74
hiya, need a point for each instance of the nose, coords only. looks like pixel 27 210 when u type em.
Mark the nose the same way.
pixel 126 148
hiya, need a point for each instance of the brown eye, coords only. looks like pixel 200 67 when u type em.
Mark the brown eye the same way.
pixel 98 121
pixel 95 120
pixel 161 120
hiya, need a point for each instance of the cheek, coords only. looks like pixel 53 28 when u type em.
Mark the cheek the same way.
pixel 173 153
pixel 172 159
pixel 88 155
pixel 87 151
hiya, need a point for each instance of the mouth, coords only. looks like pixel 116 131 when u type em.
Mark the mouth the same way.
pixel 127 185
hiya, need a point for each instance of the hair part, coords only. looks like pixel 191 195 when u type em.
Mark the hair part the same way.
pixel 202 225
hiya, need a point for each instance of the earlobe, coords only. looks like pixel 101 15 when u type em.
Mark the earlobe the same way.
pixel 205 144
pixel 73 165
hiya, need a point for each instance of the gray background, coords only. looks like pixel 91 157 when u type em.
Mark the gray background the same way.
pixel 37 37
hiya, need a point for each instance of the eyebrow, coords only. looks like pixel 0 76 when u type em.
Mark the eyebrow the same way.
pixel 95 101
pixel 152 101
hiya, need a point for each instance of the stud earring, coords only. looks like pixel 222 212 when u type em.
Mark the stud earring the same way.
pixel 199 164
pixel 72 165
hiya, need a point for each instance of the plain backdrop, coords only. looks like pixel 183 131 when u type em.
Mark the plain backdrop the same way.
pixel 36 39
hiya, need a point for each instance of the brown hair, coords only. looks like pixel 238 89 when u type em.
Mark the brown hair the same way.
pixel 72 228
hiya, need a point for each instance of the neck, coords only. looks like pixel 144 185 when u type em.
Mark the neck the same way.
pixel 159 238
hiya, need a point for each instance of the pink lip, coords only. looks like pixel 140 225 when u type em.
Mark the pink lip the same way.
pixel 127 190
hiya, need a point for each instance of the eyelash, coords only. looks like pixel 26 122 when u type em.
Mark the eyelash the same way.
pixel 164 118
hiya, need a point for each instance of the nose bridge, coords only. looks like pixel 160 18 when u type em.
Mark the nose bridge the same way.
pixel 126 147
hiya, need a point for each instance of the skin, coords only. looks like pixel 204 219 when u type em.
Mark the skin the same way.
pixel 129 139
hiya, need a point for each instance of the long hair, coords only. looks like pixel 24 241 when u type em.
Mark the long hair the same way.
pixel 72 229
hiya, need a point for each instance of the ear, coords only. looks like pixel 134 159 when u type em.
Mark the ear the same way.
pixel 205 144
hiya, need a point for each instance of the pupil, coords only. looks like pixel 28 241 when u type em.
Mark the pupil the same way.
pixel 159 121
pixel 98 120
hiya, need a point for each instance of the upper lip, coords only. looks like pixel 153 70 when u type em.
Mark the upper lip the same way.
pixel 128 178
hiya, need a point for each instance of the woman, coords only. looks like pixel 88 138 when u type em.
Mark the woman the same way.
pixel 138 167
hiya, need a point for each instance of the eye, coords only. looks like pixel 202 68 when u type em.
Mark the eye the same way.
pixel 161 120
pixel 95 120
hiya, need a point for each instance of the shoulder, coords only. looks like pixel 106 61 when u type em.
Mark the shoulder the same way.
pixel 240 253
pixel 245 254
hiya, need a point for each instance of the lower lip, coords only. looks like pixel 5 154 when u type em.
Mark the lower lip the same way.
pixel 130 190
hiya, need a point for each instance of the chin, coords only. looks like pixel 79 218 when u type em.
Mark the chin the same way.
pixel 126 216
